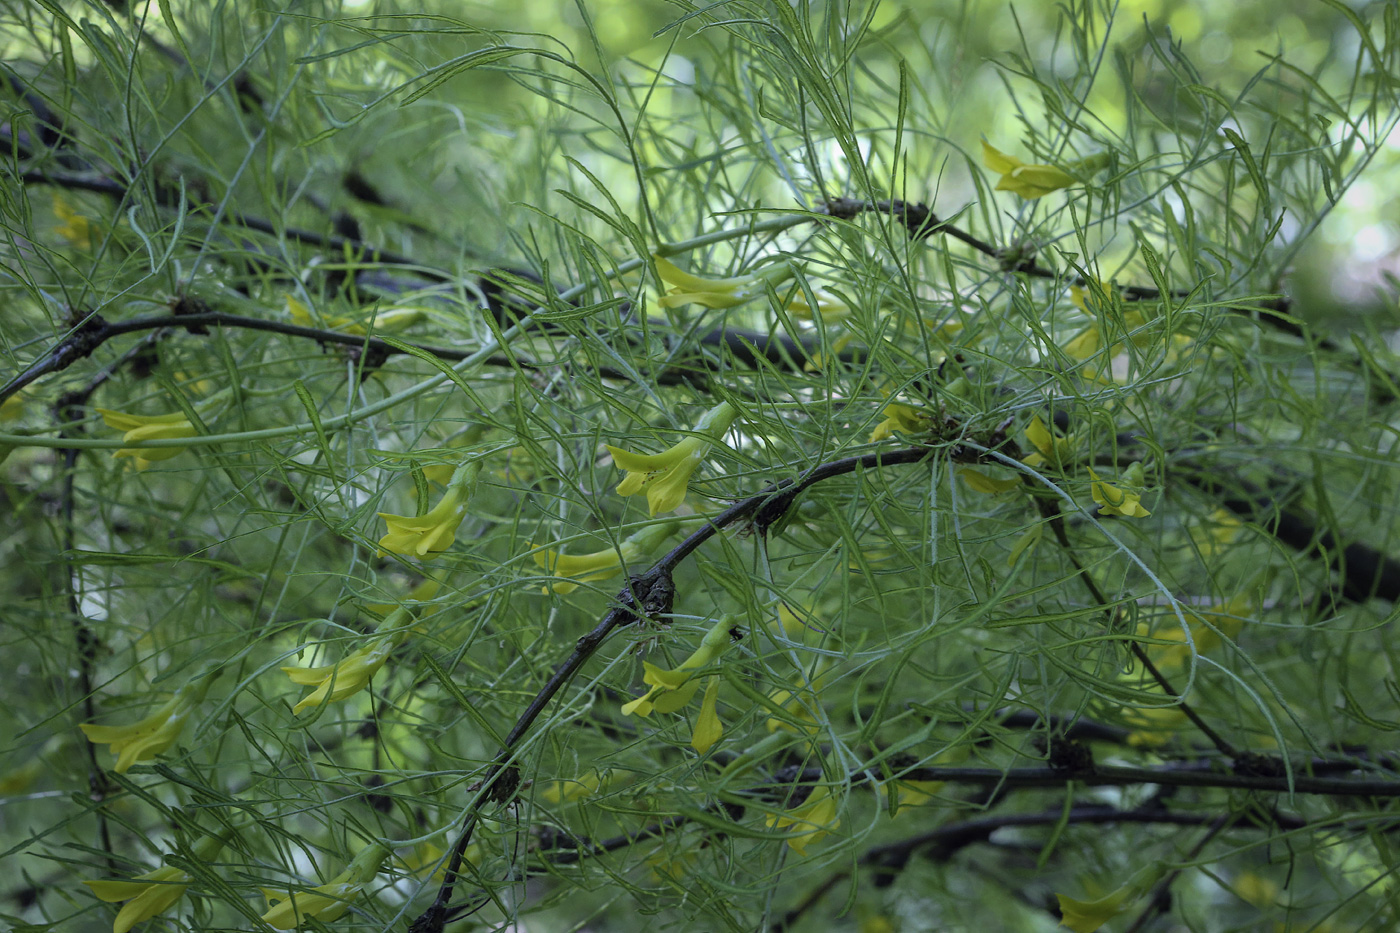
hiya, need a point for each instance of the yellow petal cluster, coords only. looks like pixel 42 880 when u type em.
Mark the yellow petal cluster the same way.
pixel 327 902
pixel 152 893
pixel 430 533
pixel 147 738
pixel 1083 916
pixel 1049 448
pixel 1028 181
pixel 350 675
pixel 1115 500
pixel 390 320
pixel 76 229
pixel 671 690
pixel 717 293
pixel 987 485
pixel 817 815
pixel 665 477
pixel 146 895
pixel 1036 181
pixel 604 564
pixel 140 428
pixel 906 419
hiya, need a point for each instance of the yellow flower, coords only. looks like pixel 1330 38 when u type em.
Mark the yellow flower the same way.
pixel 417 536
pixel 151 893
pixel 1092 340
pixel 1088 916
pixel 818 812
pixel 154 734
pixel 916 794
pixel 18 780
pixel 1048 448
pixel 830 307
pixel 426 589
pixel 351 674
pixel 717 293
pixel 326 902
pixel 76 229
pixel 148 428
pixel 708 728
pixel 673 689
pixel 584 786
pixel 664 477
pixel 1114 500
pixel 601 565
pixel 906 419
pixel 1208 629
pixel 389 320
pixel 1036 181
pixel 1256 889
pixel 12 407
pixel 987 485
pixel 666 867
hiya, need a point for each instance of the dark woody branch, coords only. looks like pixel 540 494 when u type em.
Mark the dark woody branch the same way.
pixel 1363 572
pixel 745 346
pixel 647 595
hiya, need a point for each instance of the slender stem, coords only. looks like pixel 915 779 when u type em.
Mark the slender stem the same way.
pixel 1050 509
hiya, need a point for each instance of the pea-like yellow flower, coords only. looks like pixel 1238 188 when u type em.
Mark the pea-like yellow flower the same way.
pixel 335 682
pixel 148 428
pixel 154 734
pixel 665 477
pixel 987 485
pixel 1209 628
pixel 1092 339
pixel 830 307
pixel 906 419
pixel 708 727
pixel 671 690
pixel 387 321
pixel 1088 916
pixel 1036 181
pixel 1049 448
pixel 12 407
pixel 76 229
pixel 717 293
pixel 435 530
pixel 584 786
pixel 154 892
pixel 1115 500
pixel 327 902
pixel 818 812
pixel 604 564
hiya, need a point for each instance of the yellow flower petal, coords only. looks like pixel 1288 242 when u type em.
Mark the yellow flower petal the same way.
pixel 981 482
pixel 1032 181
pixel 433 532
pixel 708 728
pixel 717 293
pixel 1115 501
pixel 149 737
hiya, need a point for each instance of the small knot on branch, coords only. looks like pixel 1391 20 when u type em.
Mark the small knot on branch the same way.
pixel 1253 764
pixel 647 595
pixel 1068 756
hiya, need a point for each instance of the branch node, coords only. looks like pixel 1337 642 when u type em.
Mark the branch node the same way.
pixel 1253 764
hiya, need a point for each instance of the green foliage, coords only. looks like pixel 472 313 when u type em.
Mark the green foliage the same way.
pixel 747 466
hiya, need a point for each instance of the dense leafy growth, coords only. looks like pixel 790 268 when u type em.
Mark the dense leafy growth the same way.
pixel 761 465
